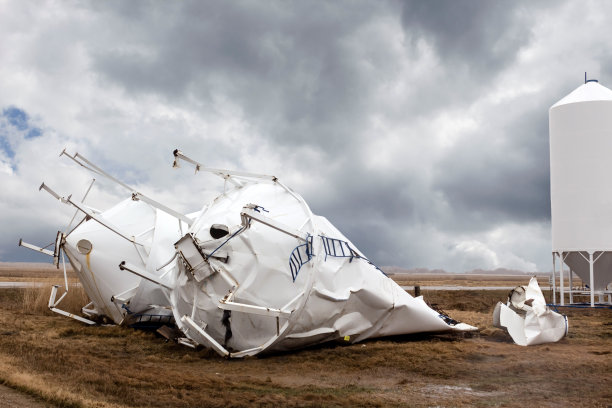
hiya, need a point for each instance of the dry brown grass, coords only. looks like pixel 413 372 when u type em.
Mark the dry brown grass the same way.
pixel 36 300
pixel 71 365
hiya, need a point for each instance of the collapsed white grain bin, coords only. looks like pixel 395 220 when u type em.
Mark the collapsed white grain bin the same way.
pixel 137 230
pixel 142 235
pixel 581 188
pixel 258 271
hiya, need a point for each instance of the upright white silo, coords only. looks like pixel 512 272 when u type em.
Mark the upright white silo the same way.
pixel 581 185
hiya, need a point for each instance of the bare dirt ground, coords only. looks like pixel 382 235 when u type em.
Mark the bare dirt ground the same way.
pixel 63 363
pixel 10 398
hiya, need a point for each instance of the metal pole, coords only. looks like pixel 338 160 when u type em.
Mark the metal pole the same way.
pixel 554 278
pixel 591 278
pixel 561 288
pixel 571 287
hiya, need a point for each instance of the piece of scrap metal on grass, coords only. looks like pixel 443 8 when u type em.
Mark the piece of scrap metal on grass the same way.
pixel 528 319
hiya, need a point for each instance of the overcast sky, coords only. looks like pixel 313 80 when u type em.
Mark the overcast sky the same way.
pixel 419 128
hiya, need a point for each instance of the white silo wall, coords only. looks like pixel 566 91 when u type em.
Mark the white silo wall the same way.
pixel 581 176
pixel 581 169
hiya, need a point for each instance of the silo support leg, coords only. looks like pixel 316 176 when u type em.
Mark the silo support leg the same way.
pixel 561 278
pixel 554 279
pixel 571 287
pixel 591 279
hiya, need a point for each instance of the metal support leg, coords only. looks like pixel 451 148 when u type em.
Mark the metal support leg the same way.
pixel 591 279
pixel 571 287
pixel 561 278
pixel 53 303
pixel 554 279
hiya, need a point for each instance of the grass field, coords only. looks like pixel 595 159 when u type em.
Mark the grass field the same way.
pixel 474 280
pixel 25 272
pixel 64 363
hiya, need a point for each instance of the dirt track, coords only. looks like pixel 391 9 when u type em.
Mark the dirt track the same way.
pixel 10 398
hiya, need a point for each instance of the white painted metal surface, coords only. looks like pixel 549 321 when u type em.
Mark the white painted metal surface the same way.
pixel 137 231
pixel 254 271
pixel 239 294
pixel 580 168
pixel 581 193
pixel 152 232
pixel 527 318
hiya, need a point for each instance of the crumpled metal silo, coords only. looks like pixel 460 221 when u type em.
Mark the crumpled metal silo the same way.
pixel 254 271
pixel 258 271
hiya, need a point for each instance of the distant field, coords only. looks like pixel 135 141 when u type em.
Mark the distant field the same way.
pixel 29 272
pixel 48 272
pixel 465 279
pixel 64 363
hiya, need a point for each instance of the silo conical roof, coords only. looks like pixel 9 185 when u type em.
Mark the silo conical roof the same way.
pixel 591 91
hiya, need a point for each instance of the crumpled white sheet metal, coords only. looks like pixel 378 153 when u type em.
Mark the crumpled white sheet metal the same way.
pixel 240 295
pixel 527 318
pixel 95 253
pixel 257 271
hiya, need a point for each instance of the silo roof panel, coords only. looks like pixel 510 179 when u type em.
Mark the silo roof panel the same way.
pixel 591 91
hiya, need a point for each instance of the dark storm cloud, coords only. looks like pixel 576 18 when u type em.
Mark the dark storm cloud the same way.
pixel 364 196
pixel 500 175
pixel 474 41
pixel 287 67
pixel 606 67
pixel 480 37
pixel 295 74
pixel 297 77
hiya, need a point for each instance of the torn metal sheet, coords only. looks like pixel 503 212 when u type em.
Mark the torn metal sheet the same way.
pixel 254 271
pixel 527 318
pixel 95 252
pixel 138 231
pixel 258 271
